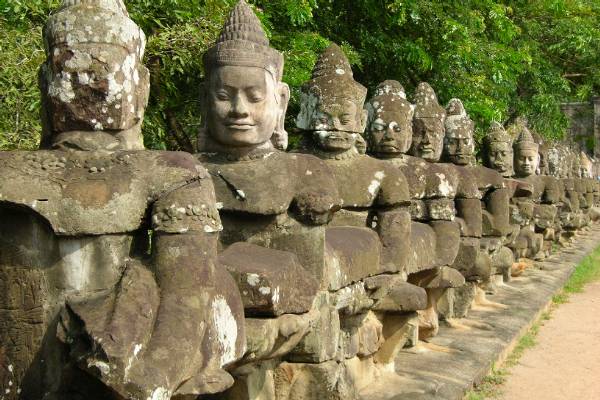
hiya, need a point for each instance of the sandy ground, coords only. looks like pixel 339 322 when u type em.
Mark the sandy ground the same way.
pixel 565 363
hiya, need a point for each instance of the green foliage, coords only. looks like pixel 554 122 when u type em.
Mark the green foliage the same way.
pixel 502 58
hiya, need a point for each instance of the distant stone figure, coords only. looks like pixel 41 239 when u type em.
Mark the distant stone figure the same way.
pixel 142 316
pixel 482 204
pixel 526 162
pixel 498 150
pixel 374 193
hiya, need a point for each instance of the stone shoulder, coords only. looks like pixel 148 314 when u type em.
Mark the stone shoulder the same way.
pixel 93 193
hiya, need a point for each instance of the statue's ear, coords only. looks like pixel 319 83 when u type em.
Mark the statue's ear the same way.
pixel 364 116
pixel 203 101
pixel 280 136
pixel 203 131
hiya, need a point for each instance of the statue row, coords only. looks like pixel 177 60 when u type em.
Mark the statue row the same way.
pixel 244 271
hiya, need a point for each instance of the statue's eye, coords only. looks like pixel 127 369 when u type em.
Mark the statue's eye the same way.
pixel 397 128
pixel 256 96
pixel 345 119
pixel 323 120
pixel 222 95
pixel 378 127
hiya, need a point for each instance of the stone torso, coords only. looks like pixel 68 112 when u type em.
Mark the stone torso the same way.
pixel 269 185
pixel 365 182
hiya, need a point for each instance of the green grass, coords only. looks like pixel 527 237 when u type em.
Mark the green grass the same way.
pixel 586 272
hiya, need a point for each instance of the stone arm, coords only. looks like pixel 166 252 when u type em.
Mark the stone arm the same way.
pixel 495 202
pixel 184 248
pixel 317 197
pixel 393 219
pixel 552 191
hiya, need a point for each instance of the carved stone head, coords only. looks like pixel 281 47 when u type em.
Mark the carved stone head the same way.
pixel 459 145
pixel 428 125
pixel 94 84
pixel 332 103
pixel 586 166
pixel 389 127
pixel 576 171
pixel 554 161
pixel 244 100
pixel 498 150
pixel 526 153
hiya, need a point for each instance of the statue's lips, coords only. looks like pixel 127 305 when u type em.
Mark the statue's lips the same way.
pixel 240 127
pixel 388 147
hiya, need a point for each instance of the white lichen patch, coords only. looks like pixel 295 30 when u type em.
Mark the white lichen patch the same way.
pixel 444 187
pixel 101 365
pixel 264 290
pixel 60 87
pixel 275 297
pixel 253 279
pixel 376 183
pixel 160 394
pixel 226 329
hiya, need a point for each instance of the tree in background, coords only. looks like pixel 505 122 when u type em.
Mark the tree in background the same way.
pixel 502 58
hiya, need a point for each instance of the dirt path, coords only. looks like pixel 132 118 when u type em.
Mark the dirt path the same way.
pixel 565 363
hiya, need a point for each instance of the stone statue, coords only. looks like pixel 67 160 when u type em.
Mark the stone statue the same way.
pixel 374 193
pixel 244 102
pixel 274 206
pixel 375 199
pixel 482 204
pixel 142 317
pixel 431 188
pixel 428 124
pixel 498 150
pixel 529 244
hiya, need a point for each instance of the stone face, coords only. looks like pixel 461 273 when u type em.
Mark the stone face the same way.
pixel 459 145
pixel 498 150
pixel 526 153
pixel 271 282
pixel 91 84
pixel 428 124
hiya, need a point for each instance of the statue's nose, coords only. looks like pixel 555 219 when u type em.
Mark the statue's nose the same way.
pixel 239 107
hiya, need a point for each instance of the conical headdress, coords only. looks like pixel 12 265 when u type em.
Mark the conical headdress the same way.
pixel 525 140
pixel 457 120
pixel 426 103
pixel 332 78
pixel 243 42
pixel 94 21
pixel 390 97
pixel 497 134
pixel 390 87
